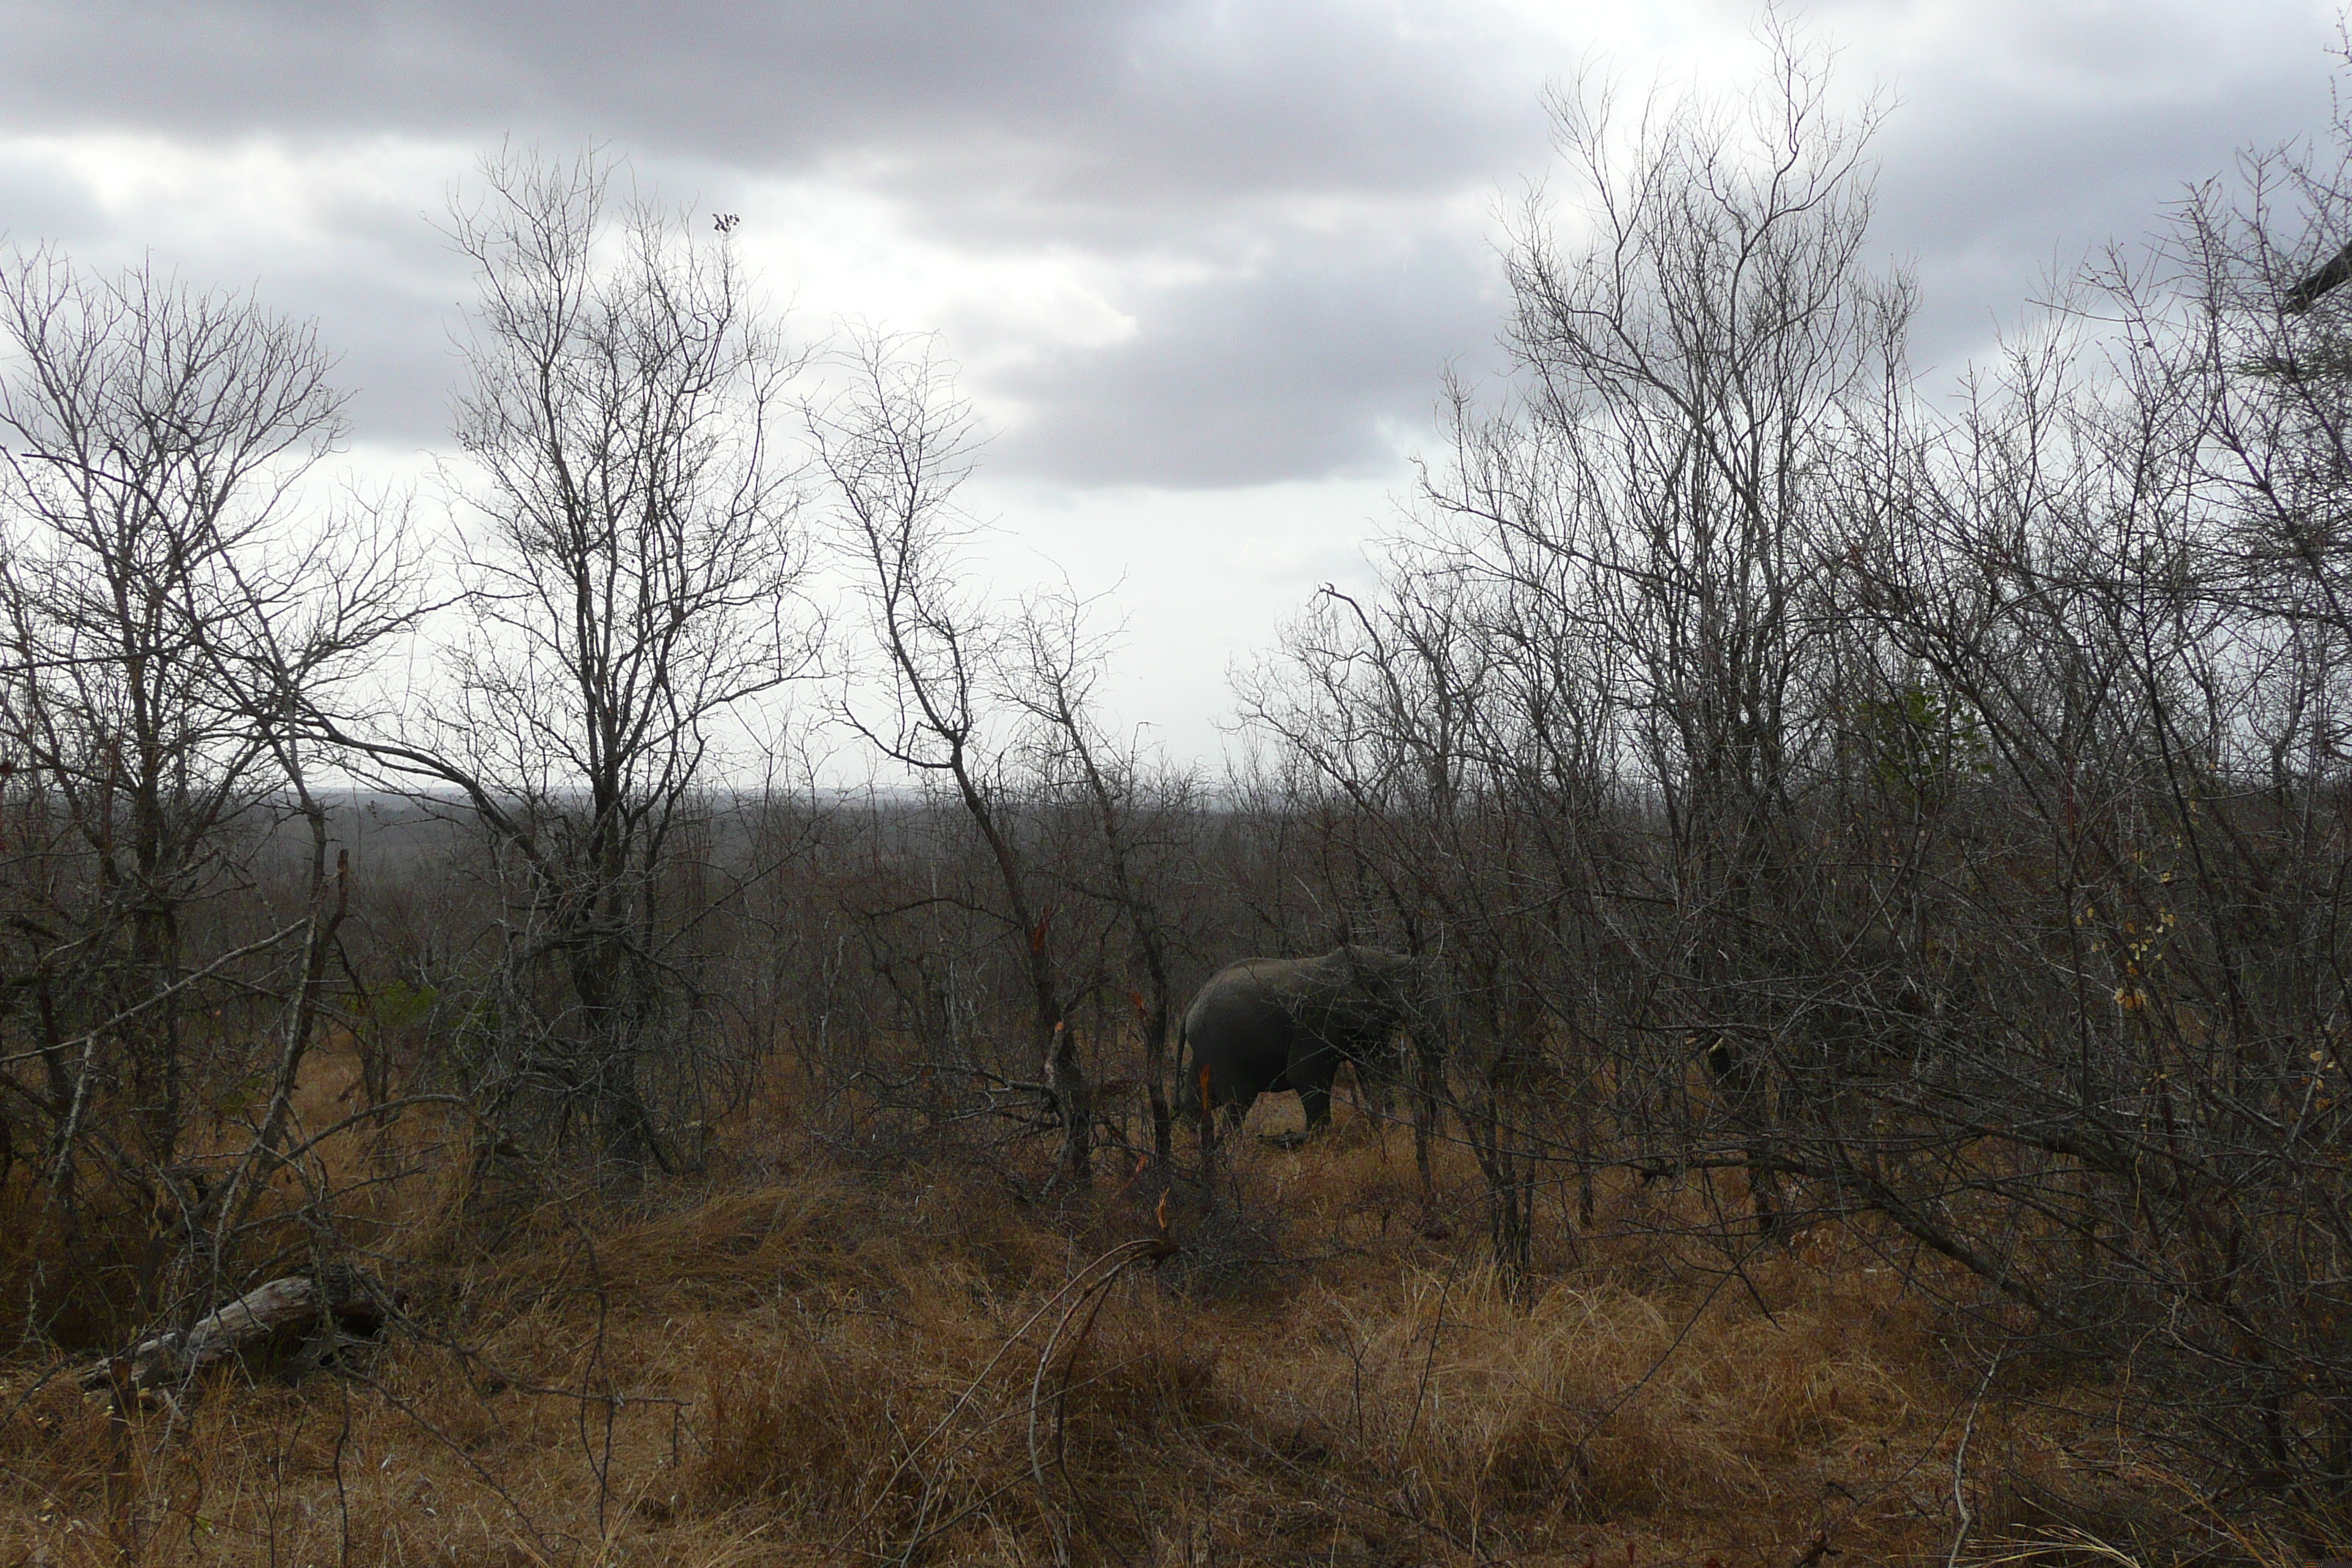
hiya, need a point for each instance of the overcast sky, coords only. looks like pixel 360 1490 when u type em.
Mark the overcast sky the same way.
pixel 1202 263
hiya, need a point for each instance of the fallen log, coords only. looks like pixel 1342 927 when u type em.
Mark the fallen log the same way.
pixel 296 1320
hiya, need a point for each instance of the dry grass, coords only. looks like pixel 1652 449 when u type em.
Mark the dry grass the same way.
pixel 821 1368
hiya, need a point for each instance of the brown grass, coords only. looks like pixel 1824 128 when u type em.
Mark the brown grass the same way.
pixel 821 1367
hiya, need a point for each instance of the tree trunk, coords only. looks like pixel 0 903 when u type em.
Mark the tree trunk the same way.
pixel 1076 1098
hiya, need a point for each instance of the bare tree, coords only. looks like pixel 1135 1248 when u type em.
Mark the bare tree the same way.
pixel 895 445
pixel 629 568
pixel 1971 788
pixel 175 615
pixel 2121 572
pixel 1054 682
pixel 1617 611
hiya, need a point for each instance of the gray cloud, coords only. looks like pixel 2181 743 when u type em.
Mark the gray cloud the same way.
pixel 397 359
pixel 1999 181
pixel 1292 370
pixel 1118 127
pixel 1127 130
pixel 1089 103
pixel 38 203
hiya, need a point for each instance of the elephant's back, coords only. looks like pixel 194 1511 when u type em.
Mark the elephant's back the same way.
pixel 1246 988
pixel 1240 1023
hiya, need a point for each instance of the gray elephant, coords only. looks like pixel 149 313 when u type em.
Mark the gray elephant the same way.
pixel 1265 1024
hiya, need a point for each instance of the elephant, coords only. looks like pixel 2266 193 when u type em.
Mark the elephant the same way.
pixel 1265 1024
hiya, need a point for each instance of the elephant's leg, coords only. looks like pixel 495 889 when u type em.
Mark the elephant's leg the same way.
pixel 1312 1080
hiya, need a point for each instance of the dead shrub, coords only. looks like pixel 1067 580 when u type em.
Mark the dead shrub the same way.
pixel 795 1432
pixel 54 1448
pixel 1142 1373
pixel 77 1282
pixel 731 1249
